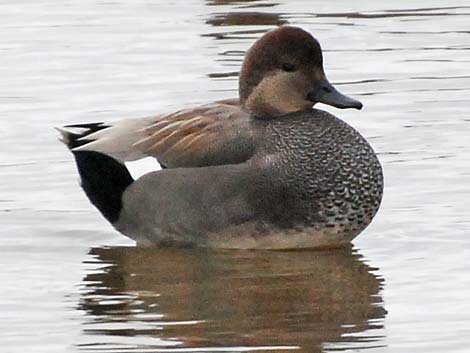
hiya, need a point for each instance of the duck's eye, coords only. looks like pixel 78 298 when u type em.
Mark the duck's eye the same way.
pixel 288 67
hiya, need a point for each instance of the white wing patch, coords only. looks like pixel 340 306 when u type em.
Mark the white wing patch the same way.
pixel 142 166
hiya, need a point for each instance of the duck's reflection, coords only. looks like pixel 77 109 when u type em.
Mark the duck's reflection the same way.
pixel 235 26
pixel 199 298
pixel 246 19
pixel 243 18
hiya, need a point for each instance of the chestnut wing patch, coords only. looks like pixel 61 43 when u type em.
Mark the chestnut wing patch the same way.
pixel 210 135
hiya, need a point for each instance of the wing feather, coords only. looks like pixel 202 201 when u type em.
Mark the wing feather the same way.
pixel 213 134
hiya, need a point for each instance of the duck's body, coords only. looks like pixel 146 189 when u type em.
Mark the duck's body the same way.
pixel 312 181
pixel 238 175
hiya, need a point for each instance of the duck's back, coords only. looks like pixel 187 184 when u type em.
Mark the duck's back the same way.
pixel 322 175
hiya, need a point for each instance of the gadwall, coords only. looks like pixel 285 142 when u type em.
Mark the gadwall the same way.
pixel 262 171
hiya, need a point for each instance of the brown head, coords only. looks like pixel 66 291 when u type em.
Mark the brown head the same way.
pixel 283 72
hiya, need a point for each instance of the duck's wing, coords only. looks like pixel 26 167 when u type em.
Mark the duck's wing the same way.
pixel 212 134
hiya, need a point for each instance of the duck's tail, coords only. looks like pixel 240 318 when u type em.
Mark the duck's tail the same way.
pixel 118 140
pixel 103 178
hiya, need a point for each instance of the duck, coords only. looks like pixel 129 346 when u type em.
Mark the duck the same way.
pixel 266 170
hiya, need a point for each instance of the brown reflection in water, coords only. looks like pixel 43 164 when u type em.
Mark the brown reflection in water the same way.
pixel 252 18
pixel 223 74
pixel 203 298
pixel 246 19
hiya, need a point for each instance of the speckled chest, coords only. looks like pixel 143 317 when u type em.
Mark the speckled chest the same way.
pixel 328 174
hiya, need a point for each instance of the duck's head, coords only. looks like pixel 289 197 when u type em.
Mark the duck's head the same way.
pixel 283 72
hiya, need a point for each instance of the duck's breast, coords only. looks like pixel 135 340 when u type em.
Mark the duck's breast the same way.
pixel 324 175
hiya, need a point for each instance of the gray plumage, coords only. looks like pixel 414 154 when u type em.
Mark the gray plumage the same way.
pixel 309 172
pixel 265 170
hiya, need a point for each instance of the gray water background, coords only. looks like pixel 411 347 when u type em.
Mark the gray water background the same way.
pixel 71 283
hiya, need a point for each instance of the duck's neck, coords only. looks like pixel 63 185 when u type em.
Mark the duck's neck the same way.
pixel 268 100
pixel 261 110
